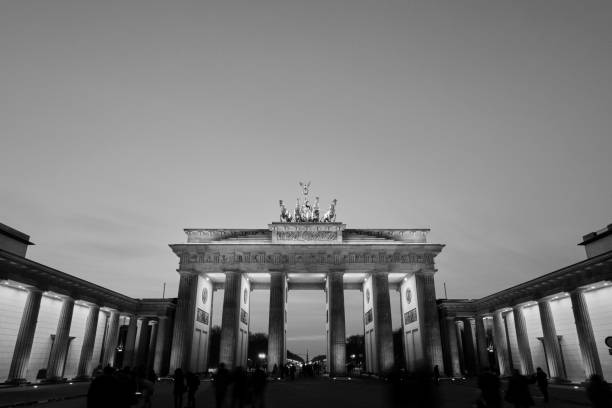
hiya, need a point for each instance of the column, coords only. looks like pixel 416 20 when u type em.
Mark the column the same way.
pixel 55 368
pixel 129 352
pixel 501 344
pixel 586 338
pixel 235 320
pixel 469 346
pixel 458 333
pixel 522 340
pixel 336 336
pixel 481 344
pixel 142 342
pixel 382 322
pixel 429 323
pixel 184 319
pixel 25 337
pixel 450 329
pixel 152 345
pixel 277 346
pixel 89 339
pixel 551 341
pixel 161 349
pixel 110 342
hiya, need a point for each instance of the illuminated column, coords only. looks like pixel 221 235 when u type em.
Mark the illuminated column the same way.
pixel 551 341
pixel 277 351
pixel 184 321
pixel 428 321
pixel 336 335
pixel 586 339
pixel 469 346
pixel 152 345
pixel 382 322
pixel 59 349
pixel 481 343
pixel 522 340
pixel 112 336
pixel 25 337
pixel 454 369
pixel 501 344
pixel 142 342
pixel 129 353
pixel 235 320
pixel 89 339
pixel 161 348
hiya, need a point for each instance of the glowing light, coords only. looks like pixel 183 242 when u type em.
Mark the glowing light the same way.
pixel 261 355
pixel 36 386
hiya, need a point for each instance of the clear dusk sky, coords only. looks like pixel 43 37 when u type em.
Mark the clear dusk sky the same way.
pixel 123 122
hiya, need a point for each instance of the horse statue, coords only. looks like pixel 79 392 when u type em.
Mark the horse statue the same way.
pixel 330 215
pixel 297 214
pixel 285 216
pixel 315 210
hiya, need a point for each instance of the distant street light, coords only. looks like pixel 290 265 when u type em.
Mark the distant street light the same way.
pixel 262 355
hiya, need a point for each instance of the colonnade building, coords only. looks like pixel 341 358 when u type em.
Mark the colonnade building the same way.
pixel 57 326
pixel 560 322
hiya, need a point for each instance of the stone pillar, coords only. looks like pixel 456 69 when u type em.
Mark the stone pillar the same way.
pixel 184 320
pixel 129 352
pixel 382 322
pixel 110 342
pixel 551 341
pixel 454 368
pixel 481 344
pixel 469 350
pixel 55 369
pixel 161 347
pixel 235 320
pixel 277 346
pixel 459 335
pixel 336 335
pixel 152 345
pixel 523 341
pixel 428 321
pixel 586 338
pixel 89 339
pixel 25 337
pixel 501 344
pixel 142 342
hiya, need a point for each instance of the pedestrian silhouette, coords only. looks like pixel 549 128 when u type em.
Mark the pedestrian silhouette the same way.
pixel 221 381
pixel 240 387
pixel 179 388
pixel 259 388
pixel 490 390
pixel 599 392
pixel 102 391
pixel 542 382
pixel 193 383
pixel 518 391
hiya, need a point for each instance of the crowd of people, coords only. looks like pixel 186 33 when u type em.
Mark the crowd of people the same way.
pixel 124 387
pixel 518 393
pixel 121 388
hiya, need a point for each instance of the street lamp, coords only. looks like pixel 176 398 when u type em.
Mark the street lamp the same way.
pixel 261 355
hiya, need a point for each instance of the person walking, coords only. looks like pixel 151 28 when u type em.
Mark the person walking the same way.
pixel 436 375
pixel 103 390
pixel 221 381
pixel 490 390
pixel 518 391
pixel 542 382
pixel 179 388
pixel 193 383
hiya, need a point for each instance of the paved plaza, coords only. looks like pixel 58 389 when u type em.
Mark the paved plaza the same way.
pixel 306 393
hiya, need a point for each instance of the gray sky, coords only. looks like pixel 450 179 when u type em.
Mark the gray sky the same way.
pixel 122 122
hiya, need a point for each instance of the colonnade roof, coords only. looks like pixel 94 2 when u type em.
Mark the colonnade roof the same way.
pixel 583 275
pixel 26 274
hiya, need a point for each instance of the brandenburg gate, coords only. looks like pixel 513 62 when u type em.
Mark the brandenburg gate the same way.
pixel 306 250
